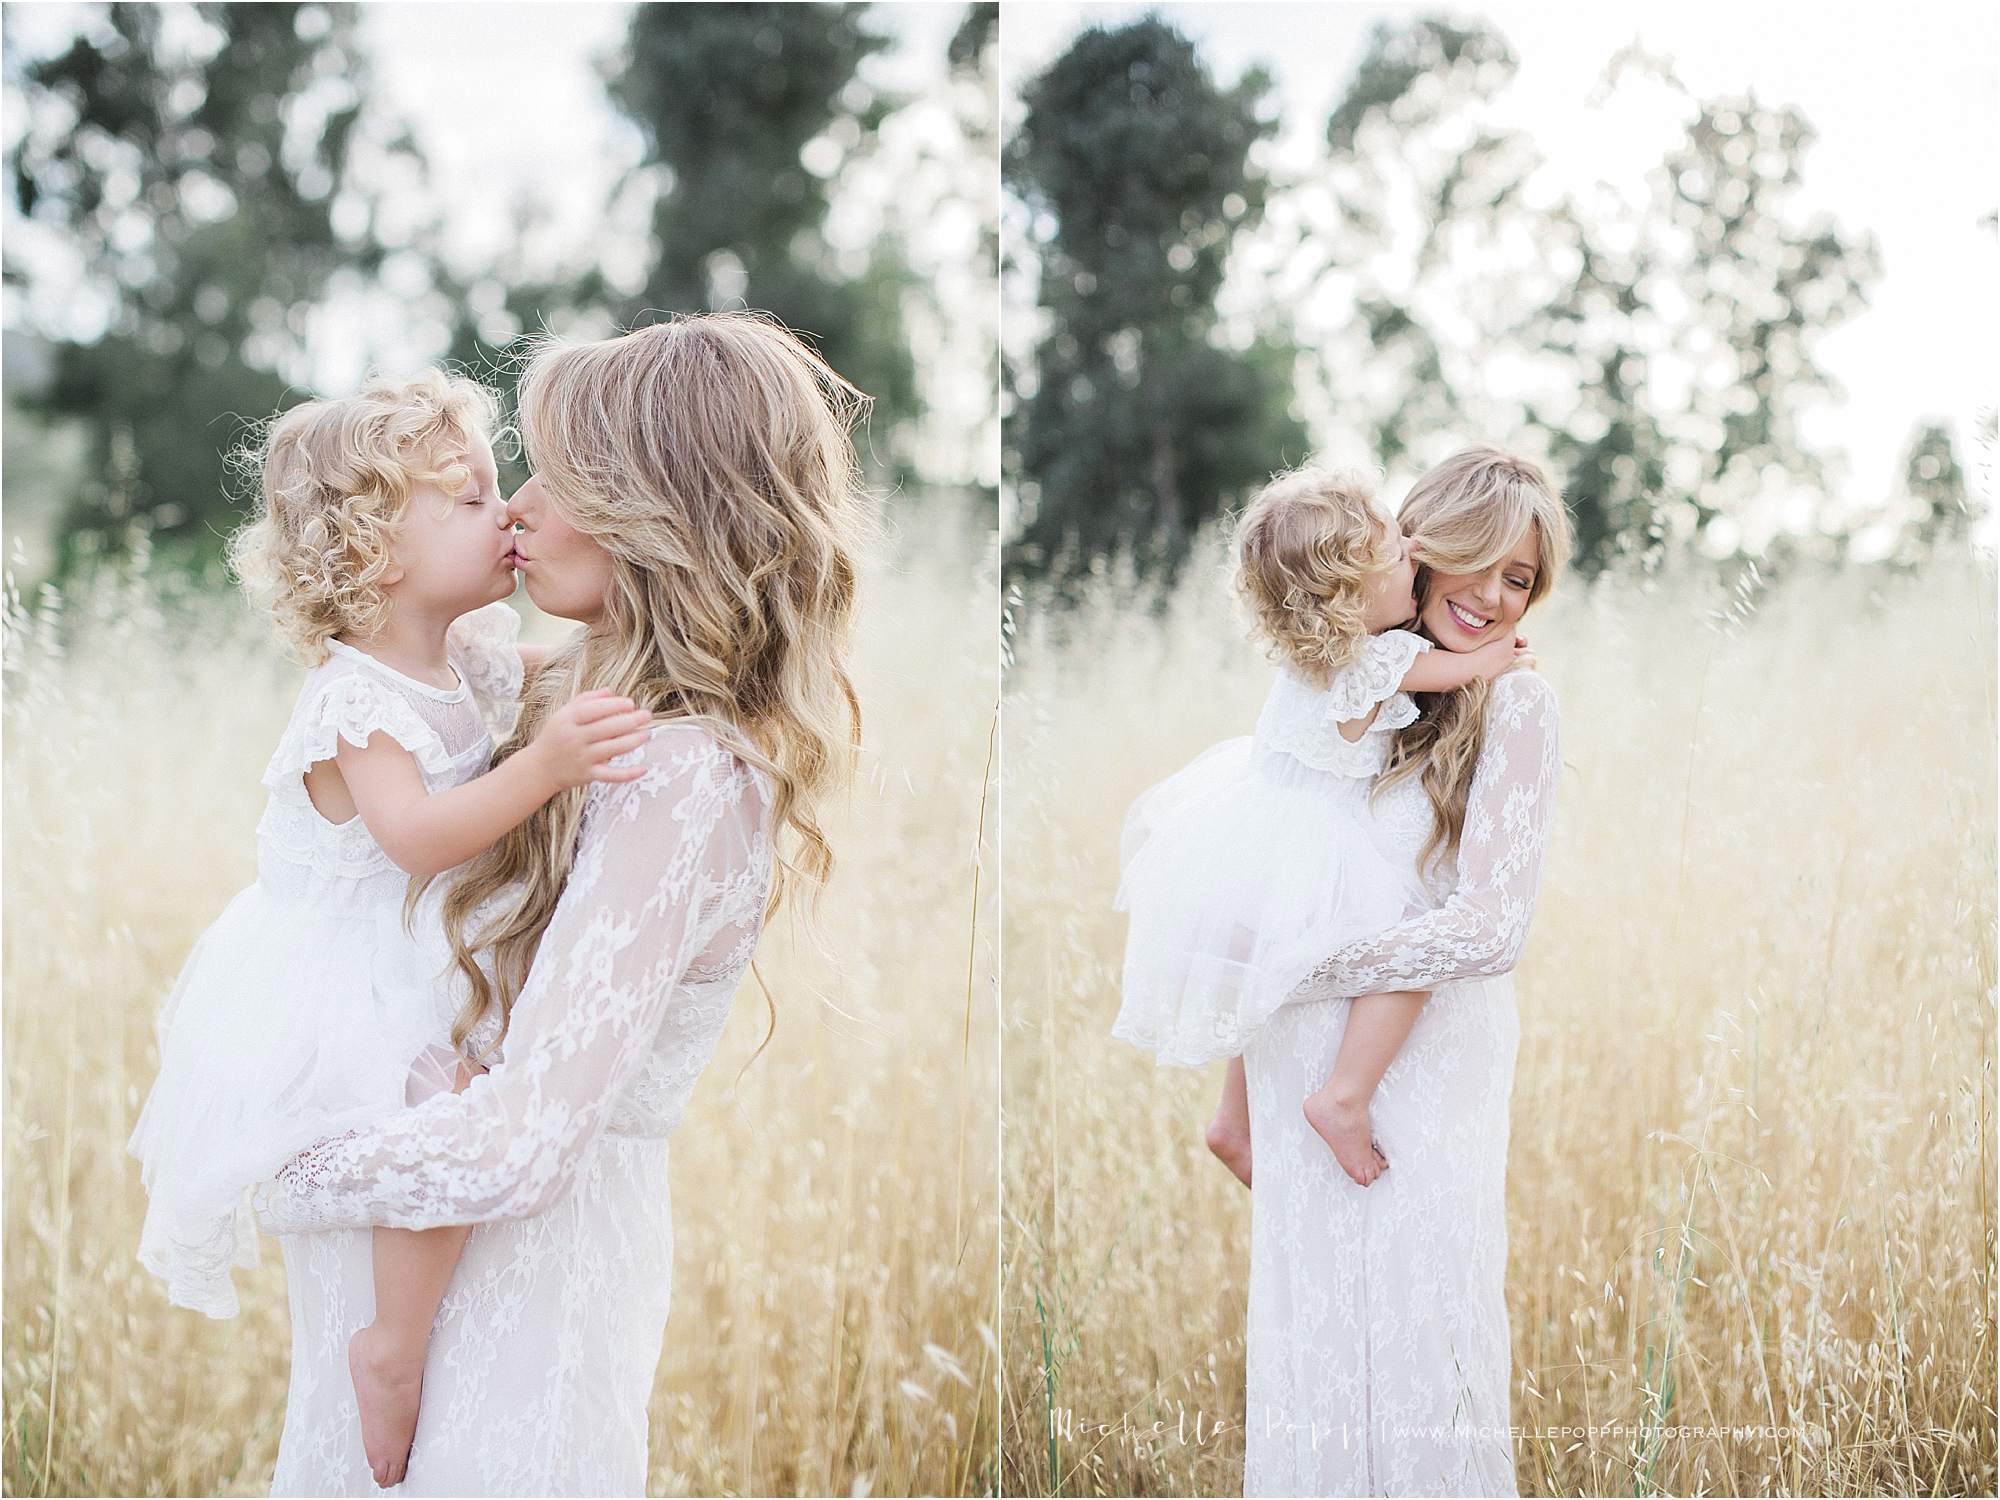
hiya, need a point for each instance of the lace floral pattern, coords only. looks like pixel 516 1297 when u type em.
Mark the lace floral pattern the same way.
pixel 1480 928
pixel 1303 721
pixel 484 646
pixel 1373 676
pixel 1378 1355
pixel 541 1363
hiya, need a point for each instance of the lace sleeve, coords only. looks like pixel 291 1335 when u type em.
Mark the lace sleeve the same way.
pixel 670 876
pixel 352 706
pixel 1481 927
pixel 1376 675
pixel 486 644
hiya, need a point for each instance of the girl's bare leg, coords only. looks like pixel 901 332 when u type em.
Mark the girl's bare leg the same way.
pixel 1228 1133
pixel 386 1359
pixel 412 1269
pixel 1376 1030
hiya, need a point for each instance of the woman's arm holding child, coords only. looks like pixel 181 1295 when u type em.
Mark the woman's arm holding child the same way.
pixel 426 834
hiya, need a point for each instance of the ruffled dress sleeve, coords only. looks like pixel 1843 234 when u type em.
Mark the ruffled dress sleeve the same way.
pixel 1480 929
pixel 1375 676
pixel 351 705
pixel 668 886
pixel 485 645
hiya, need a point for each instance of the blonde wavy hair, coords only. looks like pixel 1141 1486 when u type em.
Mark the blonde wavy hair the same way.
pixel 1464 516
pixel 333 482
pixel 712 458
pixel 1304 550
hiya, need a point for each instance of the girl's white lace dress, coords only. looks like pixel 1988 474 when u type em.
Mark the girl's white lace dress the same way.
pixel 542 1359
pixel 1250 864
pixel 1378 1353
pixel 304 1008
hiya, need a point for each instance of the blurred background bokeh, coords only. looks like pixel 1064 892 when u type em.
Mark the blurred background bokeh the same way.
pixel 1731 274
pixel 214 210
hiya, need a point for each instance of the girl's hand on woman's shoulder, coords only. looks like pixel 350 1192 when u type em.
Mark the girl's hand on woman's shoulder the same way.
pixel 583 737
pixel 1493 658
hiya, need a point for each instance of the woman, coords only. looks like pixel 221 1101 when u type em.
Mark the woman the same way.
pixel 1378 1355
pixel 695 508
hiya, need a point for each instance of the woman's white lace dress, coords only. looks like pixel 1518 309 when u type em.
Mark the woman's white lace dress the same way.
pixel 303 1007
pixel 1251 863
pixel 1378 1353
pixel 542 1359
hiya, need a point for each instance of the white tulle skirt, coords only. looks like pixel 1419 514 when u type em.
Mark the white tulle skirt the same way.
pixel 291 1021
pixel 1241 872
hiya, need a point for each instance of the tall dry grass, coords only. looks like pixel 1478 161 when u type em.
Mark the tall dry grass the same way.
pixel 836 1256
pixel 1752 1171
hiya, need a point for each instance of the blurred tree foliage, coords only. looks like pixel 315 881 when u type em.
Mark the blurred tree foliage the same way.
pixel 1140 422
pixel 1413 229
pixel 1655 335
pixel 1935 486
pixel 754 110
pixel 1688 334
pixel 196 158
pixel 201 162
pixel 1657 343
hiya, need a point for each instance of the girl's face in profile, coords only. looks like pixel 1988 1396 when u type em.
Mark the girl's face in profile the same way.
pixel 451 548
pixel 1463 611
pixel 1391 598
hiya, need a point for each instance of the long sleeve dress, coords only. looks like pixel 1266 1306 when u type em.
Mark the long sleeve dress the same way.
pixel 1378 1356
pixel 542 1359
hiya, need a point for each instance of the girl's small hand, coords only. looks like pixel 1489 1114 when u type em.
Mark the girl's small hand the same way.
pixel 591 729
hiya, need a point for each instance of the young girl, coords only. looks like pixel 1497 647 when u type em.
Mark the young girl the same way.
pixel 382 550
pixel 1249 865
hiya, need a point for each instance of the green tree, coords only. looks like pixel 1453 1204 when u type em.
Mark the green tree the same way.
pixel 754 110
pixel 194 162
pixel 1683 345
pixel 1940 512
pixel 1421 255
pixel 1137 420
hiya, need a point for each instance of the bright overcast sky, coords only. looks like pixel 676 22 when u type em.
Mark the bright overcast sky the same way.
pixel 1903 100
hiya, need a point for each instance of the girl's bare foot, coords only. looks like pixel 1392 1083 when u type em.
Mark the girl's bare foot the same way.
pixel 388 1383
pixel 1230 1141
pixel 1343 1125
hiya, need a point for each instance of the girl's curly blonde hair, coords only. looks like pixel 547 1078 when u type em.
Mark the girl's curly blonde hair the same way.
pixel 334 479
pixel 1304 551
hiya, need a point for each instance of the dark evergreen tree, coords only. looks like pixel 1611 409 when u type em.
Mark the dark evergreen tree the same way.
pixel 728 98
pixel 1137 420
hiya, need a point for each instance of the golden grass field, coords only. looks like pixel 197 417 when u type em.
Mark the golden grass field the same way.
pixel 1752 1171
pixel 833 1326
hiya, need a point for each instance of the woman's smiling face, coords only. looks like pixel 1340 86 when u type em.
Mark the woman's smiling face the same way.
pixel 1463 611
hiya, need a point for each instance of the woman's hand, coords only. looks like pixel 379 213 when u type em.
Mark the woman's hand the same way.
pixel 593 728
